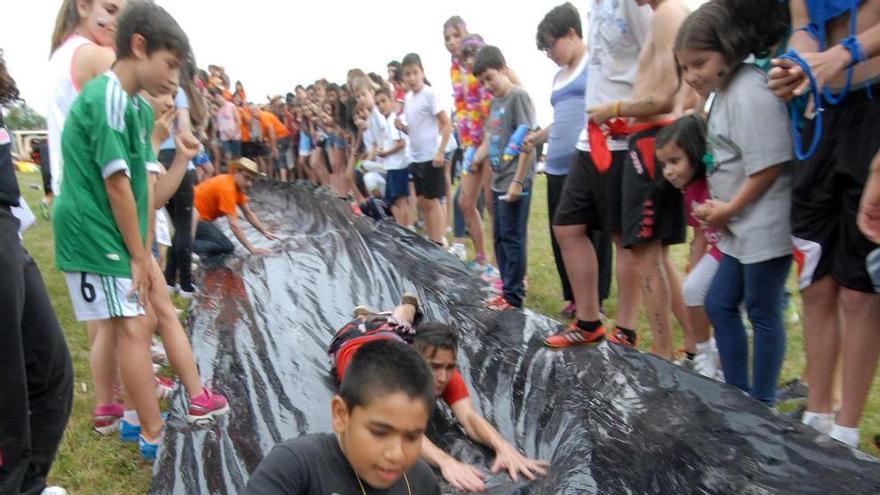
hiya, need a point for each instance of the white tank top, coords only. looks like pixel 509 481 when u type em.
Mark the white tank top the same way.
pixel 63 92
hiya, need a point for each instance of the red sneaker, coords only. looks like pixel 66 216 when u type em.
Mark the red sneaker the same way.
pixel 573 335
pixel 106 418
pixel 620 337
pixel 206 406
pixel 497 303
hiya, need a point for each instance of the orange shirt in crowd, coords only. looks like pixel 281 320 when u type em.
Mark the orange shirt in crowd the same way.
pixel 269 118
pixel 245 127
pixel 217 197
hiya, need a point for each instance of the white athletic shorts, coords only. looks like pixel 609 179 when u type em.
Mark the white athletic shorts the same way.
pixel 696 285
pixel 100 297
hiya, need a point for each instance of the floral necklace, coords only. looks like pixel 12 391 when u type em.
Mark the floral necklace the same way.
pixel 472 102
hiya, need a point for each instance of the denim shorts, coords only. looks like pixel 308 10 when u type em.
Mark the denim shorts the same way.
pixel 232 147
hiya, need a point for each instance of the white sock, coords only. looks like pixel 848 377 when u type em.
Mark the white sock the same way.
pixel 131 417
pixel 822 422
pixel 844 434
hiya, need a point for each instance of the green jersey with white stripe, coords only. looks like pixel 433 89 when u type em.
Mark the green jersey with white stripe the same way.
pixel 106 132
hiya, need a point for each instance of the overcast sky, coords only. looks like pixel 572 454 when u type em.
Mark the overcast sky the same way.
pixel 273 45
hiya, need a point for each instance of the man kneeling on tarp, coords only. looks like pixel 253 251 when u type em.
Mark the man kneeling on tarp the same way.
pixel 438 345
pixel 222 196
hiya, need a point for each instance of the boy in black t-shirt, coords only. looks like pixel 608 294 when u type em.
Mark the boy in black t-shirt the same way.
pixel 379 418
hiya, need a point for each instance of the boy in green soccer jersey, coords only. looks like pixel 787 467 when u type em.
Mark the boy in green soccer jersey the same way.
pixel 103 216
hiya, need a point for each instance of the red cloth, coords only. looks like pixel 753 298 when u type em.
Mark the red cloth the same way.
pixel 617 127
pixel 343 357
pixel 455 390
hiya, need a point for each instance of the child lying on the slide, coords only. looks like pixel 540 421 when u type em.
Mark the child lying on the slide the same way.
pixel 438 345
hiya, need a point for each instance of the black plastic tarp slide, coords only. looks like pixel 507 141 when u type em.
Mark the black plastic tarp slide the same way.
pixel 609 420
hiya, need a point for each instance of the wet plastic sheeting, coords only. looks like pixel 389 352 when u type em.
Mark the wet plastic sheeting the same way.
pixel 609 420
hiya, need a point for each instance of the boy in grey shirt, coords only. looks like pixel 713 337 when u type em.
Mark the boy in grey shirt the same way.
pixel 512 170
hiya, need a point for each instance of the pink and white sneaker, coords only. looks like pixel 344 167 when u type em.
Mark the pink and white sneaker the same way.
pixel 206 407
pixel 106 418
pixel 164 387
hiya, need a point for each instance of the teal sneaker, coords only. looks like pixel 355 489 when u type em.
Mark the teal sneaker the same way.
pixel 148 449
pixel 128 432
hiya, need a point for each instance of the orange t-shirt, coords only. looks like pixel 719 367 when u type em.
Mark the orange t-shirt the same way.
pixel 245 128
pixel 269 118
pixel 217 197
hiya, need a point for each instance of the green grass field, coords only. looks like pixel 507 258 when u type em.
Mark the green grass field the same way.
pixel 90 464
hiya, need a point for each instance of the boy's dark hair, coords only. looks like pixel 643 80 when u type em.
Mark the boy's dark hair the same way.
pixel 384 367
pixel 298 87
pixel 735 28
pixel 557 23
pixel 384 91
pixel 155 24
pixel 689 134
pixel 489 57
pixel 433 337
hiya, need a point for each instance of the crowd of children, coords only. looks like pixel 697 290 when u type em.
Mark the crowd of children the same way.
pixel 661 146
pixel 664 118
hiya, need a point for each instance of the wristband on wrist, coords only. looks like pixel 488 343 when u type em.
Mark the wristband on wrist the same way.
pixel 515 181
pixel 856 52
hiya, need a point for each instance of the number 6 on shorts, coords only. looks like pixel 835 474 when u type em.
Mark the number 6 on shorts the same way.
pixel 100 297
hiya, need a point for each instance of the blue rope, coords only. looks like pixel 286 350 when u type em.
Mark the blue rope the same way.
pixel 794 111
pixel 853 43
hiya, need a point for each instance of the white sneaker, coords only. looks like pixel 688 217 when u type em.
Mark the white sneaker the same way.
pixel 459 251
pixel 847 436
pixel 704 364
pixel 707 362
pixel 54 490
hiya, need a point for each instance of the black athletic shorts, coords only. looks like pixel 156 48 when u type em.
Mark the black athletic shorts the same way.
pixel 652 208
pixel 430 181
pixel 253 149
pixel 827 190
pixel 590 197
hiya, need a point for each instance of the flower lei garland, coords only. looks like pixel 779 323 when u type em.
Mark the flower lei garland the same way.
pixel 472 102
